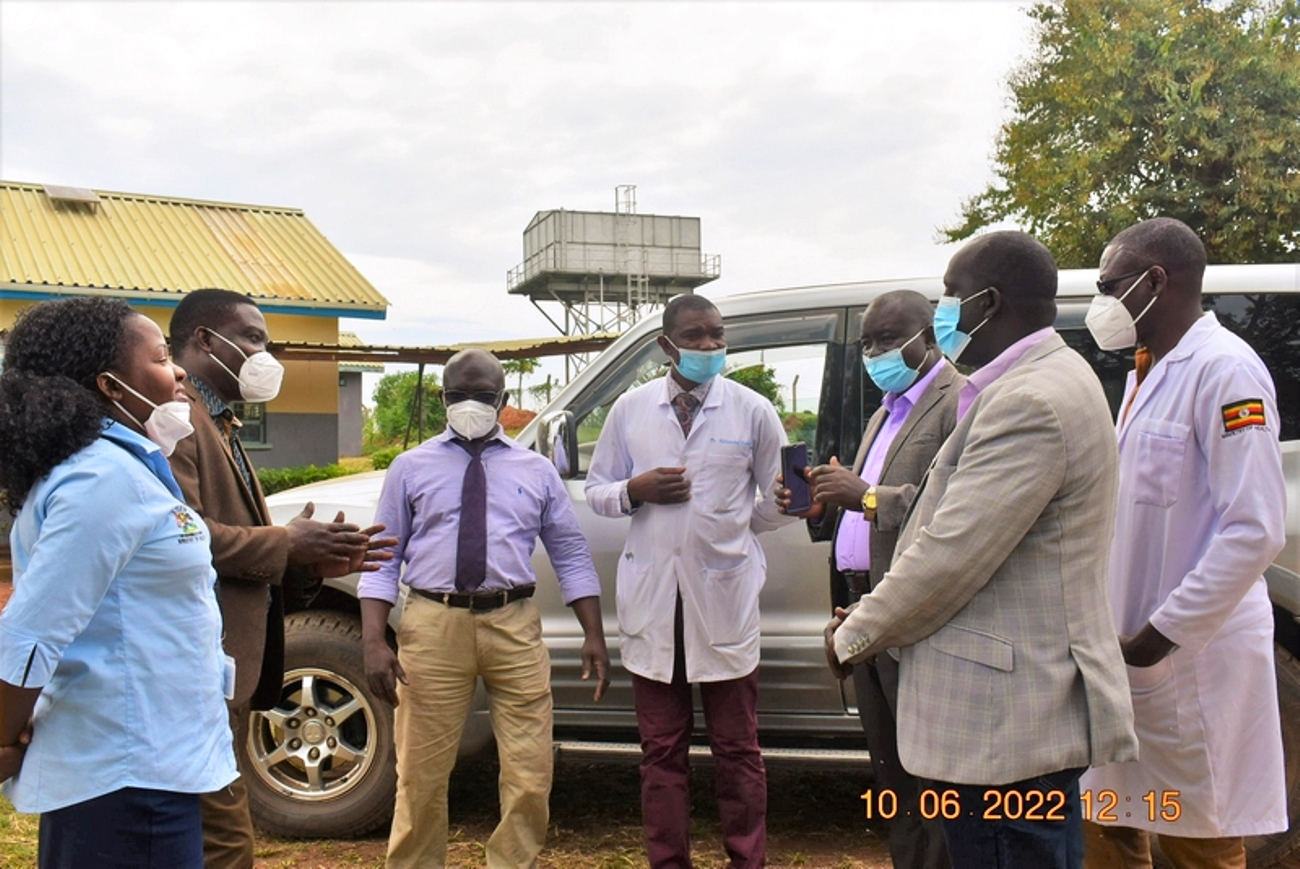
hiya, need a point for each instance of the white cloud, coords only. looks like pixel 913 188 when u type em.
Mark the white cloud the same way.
pixel 817 142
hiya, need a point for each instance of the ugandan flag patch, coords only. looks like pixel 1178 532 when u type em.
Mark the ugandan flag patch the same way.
pixel 1242 414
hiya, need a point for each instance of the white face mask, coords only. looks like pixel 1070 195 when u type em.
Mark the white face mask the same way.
pixel 1111 325
pixel 472 419
pixel 260 375
pixel 166 425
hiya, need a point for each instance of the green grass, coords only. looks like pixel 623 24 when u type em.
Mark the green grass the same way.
pixel 17 836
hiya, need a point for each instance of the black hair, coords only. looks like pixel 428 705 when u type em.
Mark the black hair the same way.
pixel 684 302
pixel 917 311
pixel 1022 269
pixel 202 309
pixel 50 406
pixel 1166 242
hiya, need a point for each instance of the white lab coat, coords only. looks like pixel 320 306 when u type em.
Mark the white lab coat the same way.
pixel 1201 515
pixel 707 547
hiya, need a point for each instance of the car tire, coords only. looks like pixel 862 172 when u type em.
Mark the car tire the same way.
pixel 322 763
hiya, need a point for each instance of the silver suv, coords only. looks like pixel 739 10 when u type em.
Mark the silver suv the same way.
pixel 321 764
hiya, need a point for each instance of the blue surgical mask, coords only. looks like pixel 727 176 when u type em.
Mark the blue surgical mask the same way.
pixel 889 371
pixel 952 341
pixel 699 366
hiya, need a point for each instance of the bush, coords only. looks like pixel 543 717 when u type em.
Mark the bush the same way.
pixel 278 479
pixel 381 459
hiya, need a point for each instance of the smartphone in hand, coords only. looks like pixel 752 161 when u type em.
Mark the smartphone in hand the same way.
pixel 794 461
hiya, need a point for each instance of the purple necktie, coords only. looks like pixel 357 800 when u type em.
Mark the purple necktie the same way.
pixel 471 541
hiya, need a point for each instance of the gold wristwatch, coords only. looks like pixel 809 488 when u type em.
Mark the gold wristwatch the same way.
pixel 869 504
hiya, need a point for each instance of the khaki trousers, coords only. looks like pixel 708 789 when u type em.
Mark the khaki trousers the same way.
pixel 444 651
pixel 227 825
pixel 1106 847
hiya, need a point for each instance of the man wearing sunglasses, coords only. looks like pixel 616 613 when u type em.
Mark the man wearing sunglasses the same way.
pixel 1202 508
pixel 467 508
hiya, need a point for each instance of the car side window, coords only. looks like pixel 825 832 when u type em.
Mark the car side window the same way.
pixel 784 358
pixel 1270 323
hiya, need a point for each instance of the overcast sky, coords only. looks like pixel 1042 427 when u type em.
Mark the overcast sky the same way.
pixel 816 142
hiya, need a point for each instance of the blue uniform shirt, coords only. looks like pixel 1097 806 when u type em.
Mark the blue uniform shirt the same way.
pixel 114 614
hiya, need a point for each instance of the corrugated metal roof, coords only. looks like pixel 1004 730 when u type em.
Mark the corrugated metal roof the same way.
pixel 352 339
pixel 157 248
pixel 519 348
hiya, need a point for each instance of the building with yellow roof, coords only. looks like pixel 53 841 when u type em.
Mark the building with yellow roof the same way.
pixel 151 250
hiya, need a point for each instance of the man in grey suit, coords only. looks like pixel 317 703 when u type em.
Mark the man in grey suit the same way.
pixel 862 508
pixel 1011 678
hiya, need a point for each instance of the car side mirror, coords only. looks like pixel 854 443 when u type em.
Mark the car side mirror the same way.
pixel 557 439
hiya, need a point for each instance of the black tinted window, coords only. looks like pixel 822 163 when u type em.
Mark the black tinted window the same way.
pixel 1269 322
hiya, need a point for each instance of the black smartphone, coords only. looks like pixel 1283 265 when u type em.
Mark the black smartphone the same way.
pixel 794 460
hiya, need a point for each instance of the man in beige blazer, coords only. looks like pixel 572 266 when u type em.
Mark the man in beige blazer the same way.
pixel 261 567
pixel 1011 678
pixel 861 510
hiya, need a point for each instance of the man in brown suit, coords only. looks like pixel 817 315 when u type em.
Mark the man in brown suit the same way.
pixel 220 338
pixel 862 509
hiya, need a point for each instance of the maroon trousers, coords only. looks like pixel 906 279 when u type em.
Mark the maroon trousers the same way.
pixel 665 718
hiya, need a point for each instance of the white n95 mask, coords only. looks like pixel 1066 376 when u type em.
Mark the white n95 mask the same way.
pixel 471 419
pixel 260 375
pixel 167 424
pixel 1111 325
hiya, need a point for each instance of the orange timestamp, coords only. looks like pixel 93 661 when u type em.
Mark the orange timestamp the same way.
pixel 1160 806
pixel 1017 805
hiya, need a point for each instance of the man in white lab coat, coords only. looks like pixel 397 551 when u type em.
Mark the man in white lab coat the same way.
pixel 1202 504
pixel 693 459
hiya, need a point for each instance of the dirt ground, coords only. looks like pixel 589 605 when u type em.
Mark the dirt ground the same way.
pixel 815 819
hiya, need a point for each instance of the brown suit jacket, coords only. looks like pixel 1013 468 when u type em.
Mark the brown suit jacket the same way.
pixel 250 554
pixel 909 457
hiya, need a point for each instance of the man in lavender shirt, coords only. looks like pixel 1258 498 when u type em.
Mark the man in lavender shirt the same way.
pixel 469 614
pixel 862 508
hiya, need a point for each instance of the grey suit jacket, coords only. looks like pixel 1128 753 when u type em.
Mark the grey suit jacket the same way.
pixel 1010 665
pixel 909 456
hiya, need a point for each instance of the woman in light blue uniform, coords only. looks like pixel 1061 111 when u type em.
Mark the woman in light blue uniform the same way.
pixel 112 719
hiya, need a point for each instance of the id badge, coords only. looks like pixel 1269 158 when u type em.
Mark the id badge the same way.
pixel 228 677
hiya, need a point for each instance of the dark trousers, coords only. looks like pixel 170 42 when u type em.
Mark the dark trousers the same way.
pixel 1005 842
pixel 665 718
pixel 227 825
pixel 128 829
pixel 914 841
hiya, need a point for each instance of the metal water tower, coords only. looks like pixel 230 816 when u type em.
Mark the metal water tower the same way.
pixel 605 271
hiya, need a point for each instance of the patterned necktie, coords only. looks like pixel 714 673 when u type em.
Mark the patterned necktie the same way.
pixel 684 405
pixel 230 428
pixel 1141 365
pixel 471 540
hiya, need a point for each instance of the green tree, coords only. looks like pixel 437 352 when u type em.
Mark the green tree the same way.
pixel 520 367
pixel 762 379
pixel 1132 109
pixel 394 399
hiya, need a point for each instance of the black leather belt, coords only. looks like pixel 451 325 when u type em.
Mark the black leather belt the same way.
pixel 479 600
pixel 859 581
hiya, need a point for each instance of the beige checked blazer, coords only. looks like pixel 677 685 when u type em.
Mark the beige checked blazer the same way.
pixel 1010 665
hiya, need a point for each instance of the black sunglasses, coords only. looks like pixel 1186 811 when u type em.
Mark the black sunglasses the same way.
pixel 455 396
pixel 1107 287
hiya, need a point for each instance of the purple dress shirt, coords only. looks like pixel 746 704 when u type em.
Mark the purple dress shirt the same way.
pixel 980 380
pixel 853 537
pixel 526 499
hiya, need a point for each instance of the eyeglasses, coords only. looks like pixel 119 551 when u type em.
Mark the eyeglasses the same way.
pixel 455 396
pixel 1107 287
